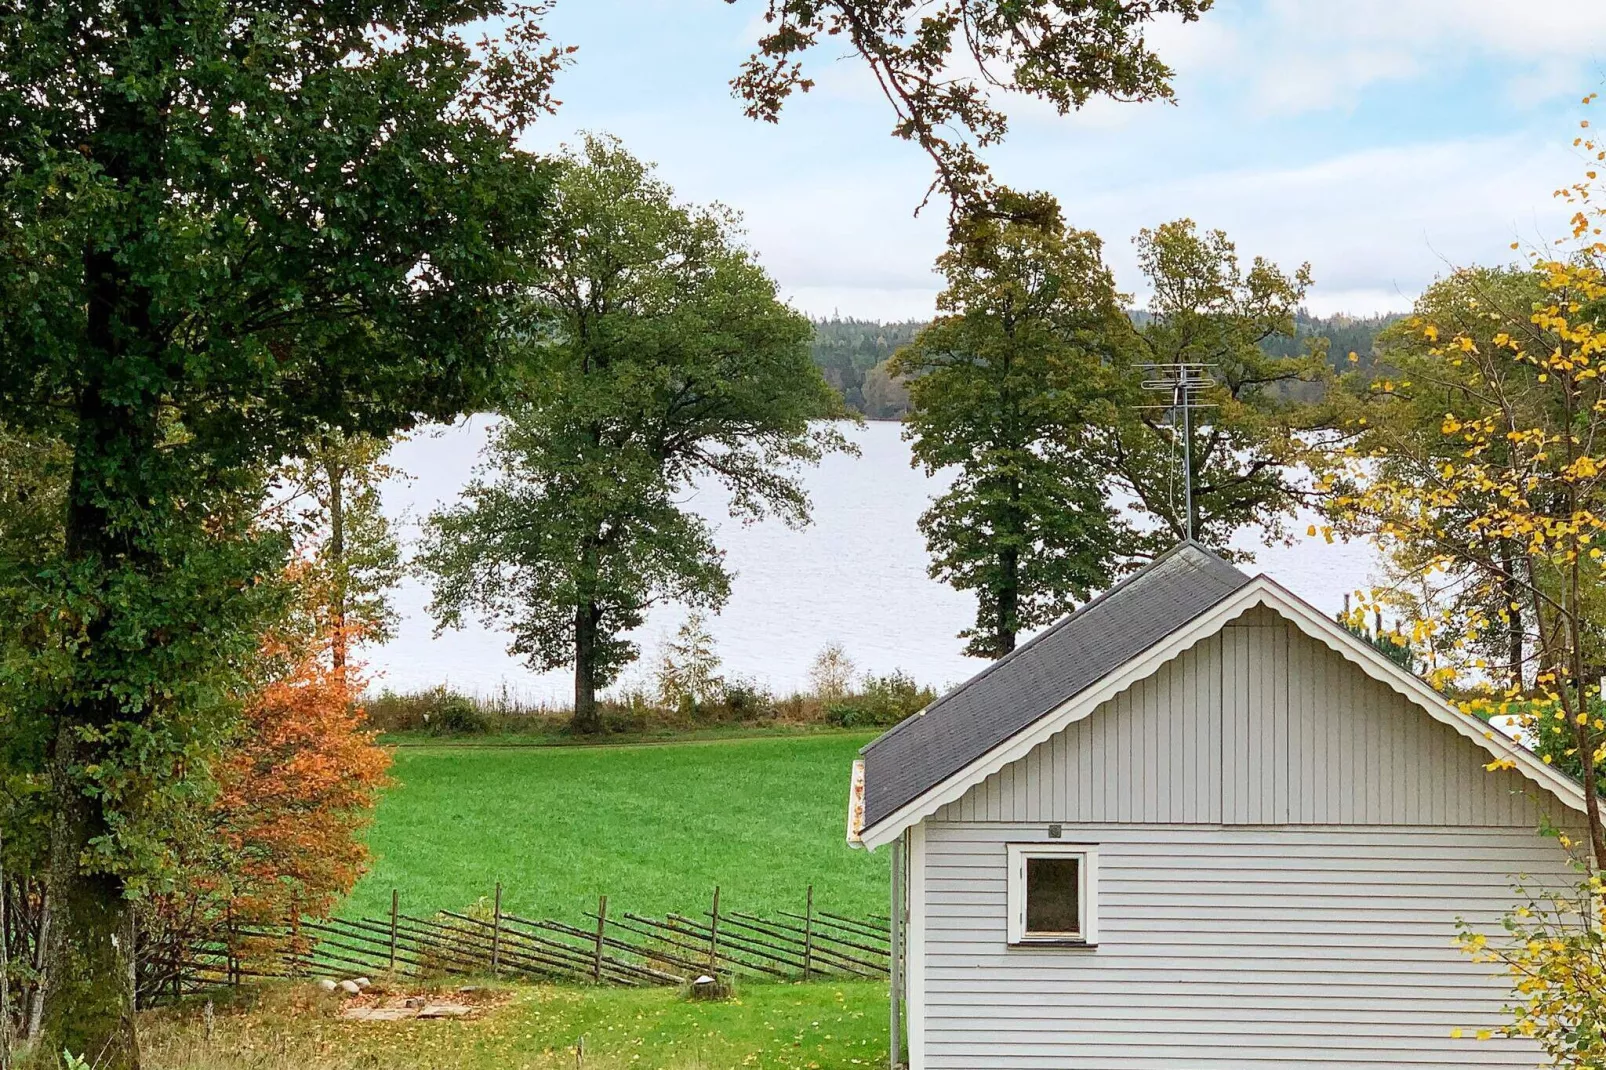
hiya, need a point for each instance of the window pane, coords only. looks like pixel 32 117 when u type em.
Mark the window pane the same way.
pixel 1052 896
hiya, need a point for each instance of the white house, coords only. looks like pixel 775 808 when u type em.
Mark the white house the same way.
pixel 1198 825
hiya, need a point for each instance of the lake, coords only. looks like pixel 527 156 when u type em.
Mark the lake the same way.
pixel 856 576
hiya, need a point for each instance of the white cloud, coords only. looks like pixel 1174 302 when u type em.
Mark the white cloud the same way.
pixel 1298 55
pixel 1377 225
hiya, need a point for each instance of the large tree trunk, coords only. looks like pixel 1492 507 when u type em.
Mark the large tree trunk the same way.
pixel 1008 602
pixel 587 718
pixel 88 1005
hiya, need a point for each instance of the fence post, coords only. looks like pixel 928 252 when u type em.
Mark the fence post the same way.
pixel 808 936
pixel 713 936
pixel 602 922
pixel 496 933
pixel 395 909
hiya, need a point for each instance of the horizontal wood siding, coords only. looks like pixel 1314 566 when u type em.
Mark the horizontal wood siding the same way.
pixel 1228 947
pixel 1257 725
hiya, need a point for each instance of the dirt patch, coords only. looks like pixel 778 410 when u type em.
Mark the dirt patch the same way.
pixel 376 1005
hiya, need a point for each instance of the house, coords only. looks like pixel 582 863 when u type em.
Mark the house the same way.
pixel 1198 824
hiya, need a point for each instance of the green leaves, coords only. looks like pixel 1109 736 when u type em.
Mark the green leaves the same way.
pixel 655 354
pixel 1064 52
pixel 1002 384
pixel 1206 309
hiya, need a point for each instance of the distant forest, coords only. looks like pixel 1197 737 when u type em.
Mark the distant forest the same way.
pixel 853 354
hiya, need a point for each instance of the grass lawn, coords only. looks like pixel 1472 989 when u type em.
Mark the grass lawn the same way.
pixel 767 1027
pixel 655 828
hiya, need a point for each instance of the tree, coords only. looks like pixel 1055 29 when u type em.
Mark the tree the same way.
pixel 1504 492
pixel 1403 398
pixel 296 787
pixel 657 355
pixel 1207 310
pixel 334 501
pixel 1001 383
pixel 1065 52
pixel 688 668
pixel 223 227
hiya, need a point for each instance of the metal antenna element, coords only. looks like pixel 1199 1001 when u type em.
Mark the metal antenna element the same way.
pixel 1184 382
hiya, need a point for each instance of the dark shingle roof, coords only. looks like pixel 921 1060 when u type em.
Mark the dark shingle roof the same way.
pixel 1013 692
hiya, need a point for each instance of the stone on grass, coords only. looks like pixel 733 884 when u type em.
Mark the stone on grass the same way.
pixel 326 984
pixel 362 982
pixel 445 1010
pixel 349 988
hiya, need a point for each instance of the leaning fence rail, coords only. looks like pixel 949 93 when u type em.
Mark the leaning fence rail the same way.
pixel 612 947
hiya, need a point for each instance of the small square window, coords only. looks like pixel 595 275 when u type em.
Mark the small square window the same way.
pixel 1052 892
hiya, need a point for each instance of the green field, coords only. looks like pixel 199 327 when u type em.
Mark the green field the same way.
pixel 655 828
pixel 768 1027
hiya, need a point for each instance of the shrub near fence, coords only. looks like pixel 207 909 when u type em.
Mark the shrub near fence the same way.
pixel 620 948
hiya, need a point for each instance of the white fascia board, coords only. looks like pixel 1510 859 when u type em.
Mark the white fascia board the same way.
pixel 1261 591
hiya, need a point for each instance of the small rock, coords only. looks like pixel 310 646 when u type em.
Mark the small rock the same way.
pixel 349 988
pixel 362 982
pixel 326 984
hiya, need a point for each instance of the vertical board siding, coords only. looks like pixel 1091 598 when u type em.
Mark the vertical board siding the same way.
pixel 1257 725
pixel 1228 947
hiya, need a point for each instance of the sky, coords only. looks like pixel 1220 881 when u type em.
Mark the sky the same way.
pixel 1382 141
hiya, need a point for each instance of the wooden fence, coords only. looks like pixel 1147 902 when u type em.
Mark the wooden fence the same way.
pixel 618 948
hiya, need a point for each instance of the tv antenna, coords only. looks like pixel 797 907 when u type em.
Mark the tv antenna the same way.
pixel 1184 383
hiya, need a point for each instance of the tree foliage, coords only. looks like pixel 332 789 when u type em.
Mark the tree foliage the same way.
pixel 223 226
pixel 1499 499
pixel 295 786
pixel 657 355
pixel 1002 383
pixel 1206 309
pixel 1554 954
pixel 938 65
pixel 332 509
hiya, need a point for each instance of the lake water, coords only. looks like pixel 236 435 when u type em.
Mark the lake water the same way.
pixel 856 576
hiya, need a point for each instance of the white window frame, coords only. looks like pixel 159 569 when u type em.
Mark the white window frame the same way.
pixel 1087 893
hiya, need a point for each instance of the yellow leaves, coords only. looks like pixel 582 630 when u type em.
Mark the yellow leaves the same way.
pixel 1311 530
pixel 1430 332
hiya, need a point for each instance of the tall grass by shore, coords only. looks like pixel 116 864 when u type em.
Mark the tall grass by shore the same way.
pixel 442 712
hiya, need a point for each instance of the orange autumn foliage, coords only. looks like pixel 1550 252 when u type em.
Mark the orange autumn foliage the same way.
pixel 295 791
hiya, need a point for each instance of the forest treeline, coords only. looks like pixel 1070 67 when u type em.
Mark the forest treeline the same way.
pixel 855 354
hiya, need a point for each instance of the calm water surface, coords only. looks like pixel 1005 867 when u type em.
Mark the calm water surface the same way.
pixel 856 576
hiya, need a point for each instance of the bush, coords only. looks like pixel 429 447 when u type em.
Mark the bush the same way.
pixel 458 715
pixel 885 700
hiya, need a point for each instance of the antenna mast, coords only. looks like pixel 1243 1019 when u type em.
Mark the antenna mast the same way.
pixel 1185 382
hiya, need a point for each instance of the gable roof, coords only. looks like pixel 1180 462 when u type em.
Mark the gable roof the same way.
pixel 1030 682
pixel 1001 713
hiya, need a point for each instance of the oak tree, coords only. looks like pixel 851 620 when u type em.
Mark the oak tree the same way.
pixel 222 226
pixel 657 356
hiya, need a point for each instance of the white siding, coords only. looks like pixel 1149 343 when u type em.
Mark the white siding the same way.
pixel 1226 947
pixel 1285 847
pixel 1257 725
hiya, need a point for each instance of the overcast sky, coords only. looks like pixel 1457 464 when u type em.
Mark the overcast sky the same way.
pixel 1380 140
